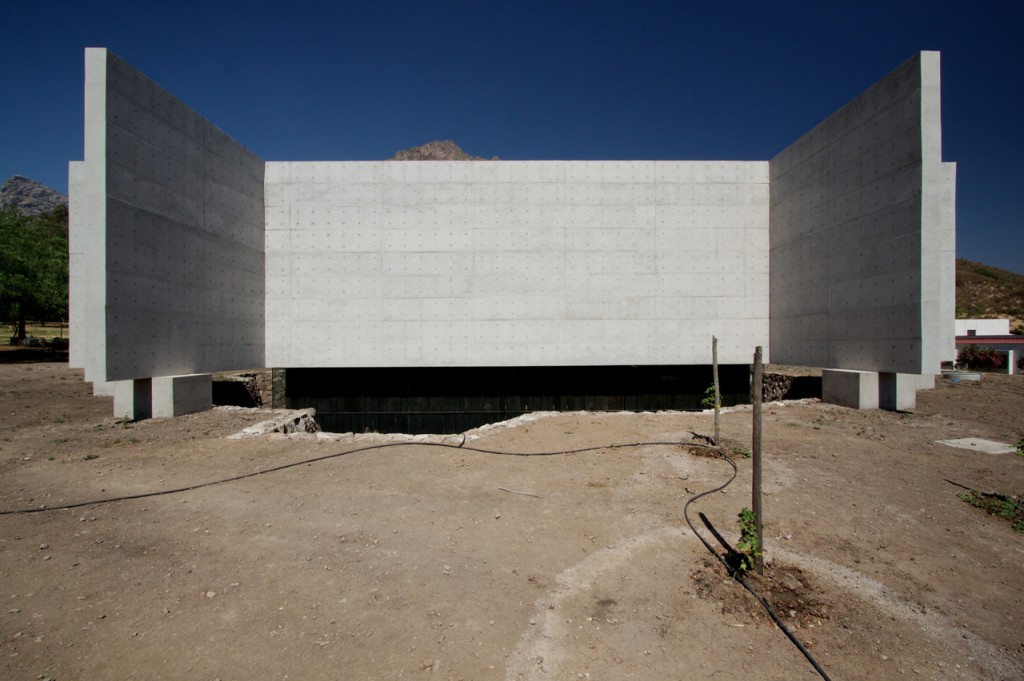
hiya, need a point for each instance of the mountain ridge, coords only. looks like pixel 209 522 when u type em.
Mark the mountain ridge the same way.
pixel 30 197
pixel 986 292
pixel 438 150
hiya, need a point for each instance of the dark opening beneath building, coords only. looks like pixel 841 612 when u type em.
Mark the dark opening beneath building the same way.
pixel 452 400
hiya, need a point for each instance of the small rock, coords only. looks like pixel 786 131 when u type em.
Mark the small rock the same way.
pixel 533 620
pixel 210 594
pixel 43 547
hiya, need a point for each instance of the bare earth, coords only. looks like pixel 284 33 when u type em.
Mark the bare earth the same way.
pixel 413 562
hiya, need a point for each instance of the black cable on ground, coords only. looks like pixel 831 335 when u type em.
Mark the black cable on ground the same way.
pixel 335 455
pixel 461 446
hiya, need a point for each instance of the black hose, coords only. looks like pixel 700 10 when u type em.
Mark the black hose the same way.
pixel 274 469
pixel 461 446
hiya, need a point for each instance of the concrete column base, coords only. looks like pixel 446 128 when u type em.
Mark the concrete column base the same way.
pixel 926 382
pixel 856 389
pixel 103 388
pixel 133 400
pixel 178 395
pixel 870 390
pixel 897 392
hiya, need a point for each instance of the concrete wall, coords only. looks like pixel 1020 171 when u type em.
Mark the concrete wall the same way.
pixel 86 271
pixel 862 233
pixel 515 263
pixel 178 208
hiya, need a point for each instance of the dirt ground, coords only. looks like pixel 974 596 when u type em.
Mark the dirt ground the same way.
pixel 423 563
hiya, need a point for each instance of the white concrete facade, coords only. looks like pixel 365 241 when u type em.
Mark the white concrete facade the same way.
pixel 515 263
pixel 191 255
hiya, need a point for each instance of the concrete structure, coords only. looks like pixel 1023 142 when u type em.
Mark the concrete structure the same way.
pixel 178 395
pixel 190 255
pixel 862 233
pixel 856 389
pixel 167 264
pixel 515 263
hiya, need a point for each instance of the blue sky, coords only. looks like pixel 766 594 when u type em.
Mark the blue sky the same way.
pixel 533 80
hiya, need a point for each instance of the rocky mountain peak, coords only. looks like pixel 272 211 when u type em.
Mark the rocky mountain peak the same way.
pixel 30 197
pixel 438 150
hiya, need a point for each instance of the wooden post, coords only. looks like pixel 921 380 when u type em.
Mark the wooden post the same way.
pixel 755 448
pixel 718 396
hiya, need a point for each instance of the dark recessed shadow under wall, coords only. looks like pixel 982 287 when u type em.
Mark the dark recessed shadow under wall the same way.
pixel 452 400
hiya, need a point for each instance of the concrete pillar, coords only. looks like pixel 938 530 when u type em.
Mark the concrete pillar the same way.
pixel 177 395
pixel 1011 361
pixel 133 399
pixel 856 389
pixel 897 392
pixel 103 388
pixel 926 382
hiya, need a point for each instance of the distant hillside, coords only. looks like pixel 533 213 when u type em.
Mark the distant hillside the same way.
pixel 29 196
pixel 443 150
pixel 984 292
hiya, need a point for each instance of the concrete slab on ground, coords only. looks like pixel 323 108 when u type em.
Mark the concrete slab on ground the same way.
pixel 980 445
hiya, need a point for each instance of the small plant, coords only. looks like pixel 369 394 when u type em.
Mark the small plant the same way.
pixel 748 546
pixel 708 401
pixel 1002 505
pixel 1020 448
pixel 125 422
pixel 741 451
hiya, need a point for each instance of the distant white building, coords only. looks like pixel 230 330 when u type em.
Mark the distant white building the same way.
pixel 983 327
pixel 992 334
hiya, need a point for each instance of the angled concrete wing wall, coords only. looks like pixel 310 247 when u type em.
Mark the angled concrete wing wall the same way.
pixel 175 208
pixel 862 233
pixel 515 263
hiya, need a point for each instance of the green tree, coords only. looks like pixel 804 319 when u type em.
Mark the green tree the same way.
pixel 33 268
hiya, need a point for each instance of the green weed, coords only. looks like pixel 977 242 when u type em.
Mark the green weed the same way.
pixel 748 547
pixel 1002 505
pixel 708 401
